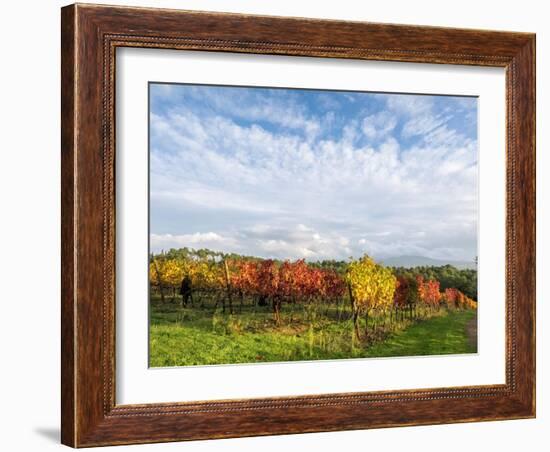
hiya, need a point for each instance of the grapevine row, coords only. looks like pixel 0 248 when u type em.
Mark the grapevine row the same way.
pixel 368 286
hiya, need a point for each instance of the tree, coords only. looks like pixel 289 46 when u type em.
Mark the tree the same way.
pixel 432 296
pixel 401 294
pixel 465 302
pixel 333 285
pixel 371 286
pixel 268 286
pixel 464 280
pixel 156 275
pixel 172 275
pixel 451 297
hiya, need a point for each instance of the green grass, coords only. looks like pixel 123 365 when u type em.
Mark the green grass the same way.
pixel 437 336
pixel 194 336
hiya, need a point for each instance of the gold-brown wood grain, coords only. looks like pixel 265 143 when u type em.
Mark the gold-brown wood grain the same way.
pixel 90 35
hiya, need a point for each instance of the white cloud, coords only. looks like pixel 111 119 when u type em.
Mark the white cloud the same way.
pixel 410 105
pixel 297 241
pixel 379 124
pixel 196 240
pixel 423 124
pixel 247 104
pixel 286 194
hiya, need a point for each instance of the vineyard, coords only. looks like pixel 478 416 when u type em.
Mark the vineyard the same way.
pixel 212 308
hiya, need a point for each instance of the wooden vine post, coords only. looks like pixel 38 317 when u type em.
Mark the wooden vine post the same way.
pixel 228 286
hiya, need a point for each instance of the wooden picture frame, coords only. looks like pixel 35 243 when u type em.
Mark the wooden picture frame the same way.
pixel 90 36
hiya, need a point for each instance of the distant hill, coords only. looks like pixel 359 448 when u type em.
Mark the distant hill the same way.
pixel 420 261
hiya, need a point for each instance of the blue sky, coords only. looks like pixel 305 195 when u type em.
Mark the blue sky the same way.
pixel 312 174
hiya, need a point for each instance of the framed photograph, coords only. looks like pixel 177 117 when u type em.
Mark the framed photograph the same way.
pixel 281 225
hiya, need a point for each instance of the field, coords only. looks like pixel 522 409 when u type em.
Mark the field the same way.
pixel 200 336
pixel 210 308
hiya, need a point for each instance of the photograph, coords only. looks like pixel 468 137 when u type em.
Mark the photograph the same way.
pixel 291 224
pixel 275 224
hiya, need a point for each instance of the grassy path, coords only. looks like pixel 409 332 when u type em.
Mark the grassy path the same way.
pixel 450 334
pixel 471 331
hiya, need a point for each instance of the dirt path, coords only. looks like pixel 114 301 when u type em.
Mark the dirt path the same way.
pixel 471 331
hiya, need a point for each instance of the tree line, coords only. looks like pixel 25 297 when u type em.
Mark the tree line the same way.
pixel 369 290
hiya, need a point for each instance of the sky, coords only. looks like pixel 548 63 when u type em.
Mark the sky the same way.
pixel 292 173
